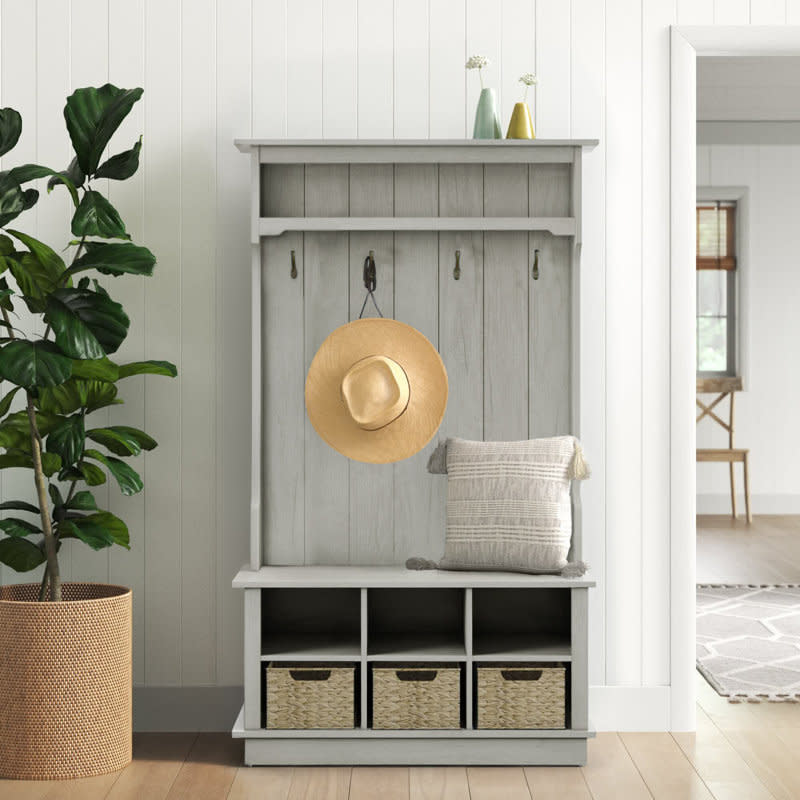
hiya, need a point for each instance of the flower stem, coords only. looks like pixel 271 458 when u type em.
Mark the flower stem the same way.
pixel 480 75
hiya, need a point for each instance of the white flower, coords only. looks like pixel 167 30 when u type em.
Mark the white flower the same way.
pixel 528 79
pixel 478 62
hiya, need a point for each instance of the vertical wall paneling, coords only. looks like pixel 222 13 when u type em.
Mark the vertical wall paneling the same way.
pixel 371 485
pixel 283 370
pixel 326 259
pixel 792 12
pixel 461 302
pixel 126 69
pixel 340 69
pixel 411 75
pixel 704 165
pixel 232 256
pixel 553 65
pixel 767 12
pixel 270 65
pixel 89 67
pixel 376 69
pixel 731 12
pixel 304 69
pixel 657 17
pixel 506 317
pixel 418 497
pixel 696 12
pixel 162 217
pixel 447 84
pixel 624 314
pixel 484 38
pixel 198 161
pixel 517 54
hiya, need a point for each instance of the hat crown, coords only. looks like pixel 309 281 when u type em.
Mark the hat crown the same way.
pixel 375 391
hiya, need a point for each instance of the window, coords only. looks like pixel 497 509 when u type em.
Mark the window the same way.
pixel 716 288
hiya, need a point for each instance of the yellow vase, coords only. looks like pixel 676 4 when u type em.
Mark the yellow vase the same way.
pixel 521 124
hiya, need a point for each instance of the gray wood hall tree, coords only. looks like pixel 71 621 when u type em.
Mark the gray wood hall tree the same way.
pixel 477 244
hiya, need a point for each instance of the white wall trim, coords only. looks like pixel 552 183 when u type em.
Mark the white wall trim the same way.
pixel 764 132
pixel 186 708
pixel 629 708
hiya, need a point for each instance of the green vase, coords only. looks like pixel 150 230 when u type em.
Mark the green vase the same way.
pixel 487 123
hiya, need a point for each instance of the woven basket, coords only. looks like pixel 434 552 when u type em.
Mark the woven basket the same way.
pixel 521 696
pixel 302 696
pixel 416 696
pixel 65 682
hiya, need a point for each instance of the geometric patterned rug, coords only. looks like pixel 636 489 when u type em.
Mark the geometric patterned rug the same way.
pixel 748 641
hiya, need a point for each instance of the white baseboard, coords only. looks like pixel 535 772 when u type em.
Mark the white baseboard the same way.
pixel 214 708
pixel 762 504
pixel 629 708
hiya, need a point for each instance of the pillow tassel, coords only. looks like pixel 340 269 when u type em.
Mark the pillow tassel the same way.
pixel 437 463
pixel 574 569
pixel 579 470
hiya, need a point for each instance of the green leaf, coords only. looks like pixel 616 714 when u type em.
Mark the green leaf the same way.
pixel 73 173
pixel 34 364
pixel 31 172
pixel 115 258
pixel 95 216
pixel 6 245
pixel 127 477
pixel 115 440
pixel 51 463
pixel 10 129
pixel 94 535
pixel 29 198
pixel 12 199
pixel 5 295
pixel 145 441
pixel 121 166
pixel 68 439
pixel 75 394
pixel 18 505
pixel 148 368
pixel 20 554
pixel 13 526
pixel 55 495
pixel 100 369
pixel 38 272
pixel 83 501
pixel 87 325
pixel 5 403
pixel 44 254
pixel 45 423
pixel 84 471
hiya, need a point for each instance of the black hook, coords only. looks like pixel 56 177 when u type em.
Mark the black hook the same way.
pixel 293 271
pixel 370 273
pixel 457 268
pixel 535 272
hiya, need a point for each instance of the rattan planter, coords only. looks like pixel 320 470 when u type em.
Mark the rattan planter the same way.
pixel 416 696
pixel 521 696
pixel 304 696
pixel 65 682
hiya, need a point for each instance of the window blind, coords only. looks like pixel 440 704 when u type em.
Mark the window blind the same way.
pixel 716 235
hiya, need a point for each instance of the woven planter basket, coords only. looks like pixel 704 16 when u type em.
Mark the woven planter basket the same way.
pixel 65 682
pixel 521 696
pixel 416 696
pixel 303 696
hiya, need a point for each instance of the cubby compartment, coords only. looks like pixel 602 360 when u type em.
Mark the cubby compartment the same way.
pixel 521 623
pixel 415 624
pixel 310 624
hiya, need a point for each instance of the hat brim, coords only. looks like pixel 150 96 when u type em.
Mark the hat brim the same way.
pixel 427 378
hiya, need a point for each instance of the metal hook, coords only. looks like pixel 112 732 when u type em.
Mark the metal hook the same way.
pixel 535 272
pixel 293 271
pixel 370 273
pixel 457 269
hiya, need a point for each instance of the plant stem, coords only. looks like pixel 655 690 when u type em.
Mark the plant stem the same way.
pixel 43 587
pixel 480 75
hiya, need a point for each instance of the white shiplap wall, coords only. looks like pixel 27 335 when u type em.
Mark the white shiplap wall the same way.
pixel 216 69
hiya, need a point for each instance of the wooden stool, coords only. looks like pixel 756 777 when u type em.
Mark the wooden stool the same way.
pixel 732 455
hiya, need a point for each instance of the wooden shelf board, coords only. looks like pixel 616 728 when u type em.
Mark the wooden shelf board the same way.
pixel 310 647
pixel 521 647
pixel 399 647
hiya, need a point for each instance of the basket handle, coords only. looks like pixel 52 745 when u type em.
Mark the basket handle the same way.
pixel 417 674
pixel 309 674
pixel 521 674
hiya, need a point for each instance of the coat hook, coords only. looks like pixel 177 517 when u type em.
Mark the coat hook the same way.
pixel 370 272
pixel 535 272
pixel 457 269
pixel 293 271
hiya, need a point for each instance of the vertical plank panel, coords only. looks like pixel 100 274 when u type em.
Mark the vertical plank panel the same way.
pixel 731 12
pixel 326 260
pixel 162 221
pixel 695 12
pixel 792 12
pixel 461 302
pixel 375 69
pixel 418 497
pixel 553 67
pixel 623 340
pixel 657 17
pixel 505 307
pixel 411 69
pixel 447 87
pixel 704 165
pixel 371 485
pixel 767 12
pixel 304 69
pixel 483 38
pixel 283 410
pixel 126 69
pixel 517 54
pixel 198 158
pixel 89 67
pixel 233 295
pixel 340 69
pixel 270 66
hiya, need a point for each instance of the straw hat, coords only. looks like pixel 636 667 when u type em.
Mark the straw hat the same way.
pixel 376 390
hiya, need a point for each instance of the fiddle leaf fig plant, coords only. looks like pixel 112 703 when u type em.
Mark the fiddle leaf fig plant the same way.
pixel 64 372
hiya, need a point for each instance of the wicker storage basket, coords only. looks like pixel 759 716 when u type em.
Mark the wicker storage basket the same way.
pixel 416 696
pixel 65 682
pixel 301 696
pixel 521 696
